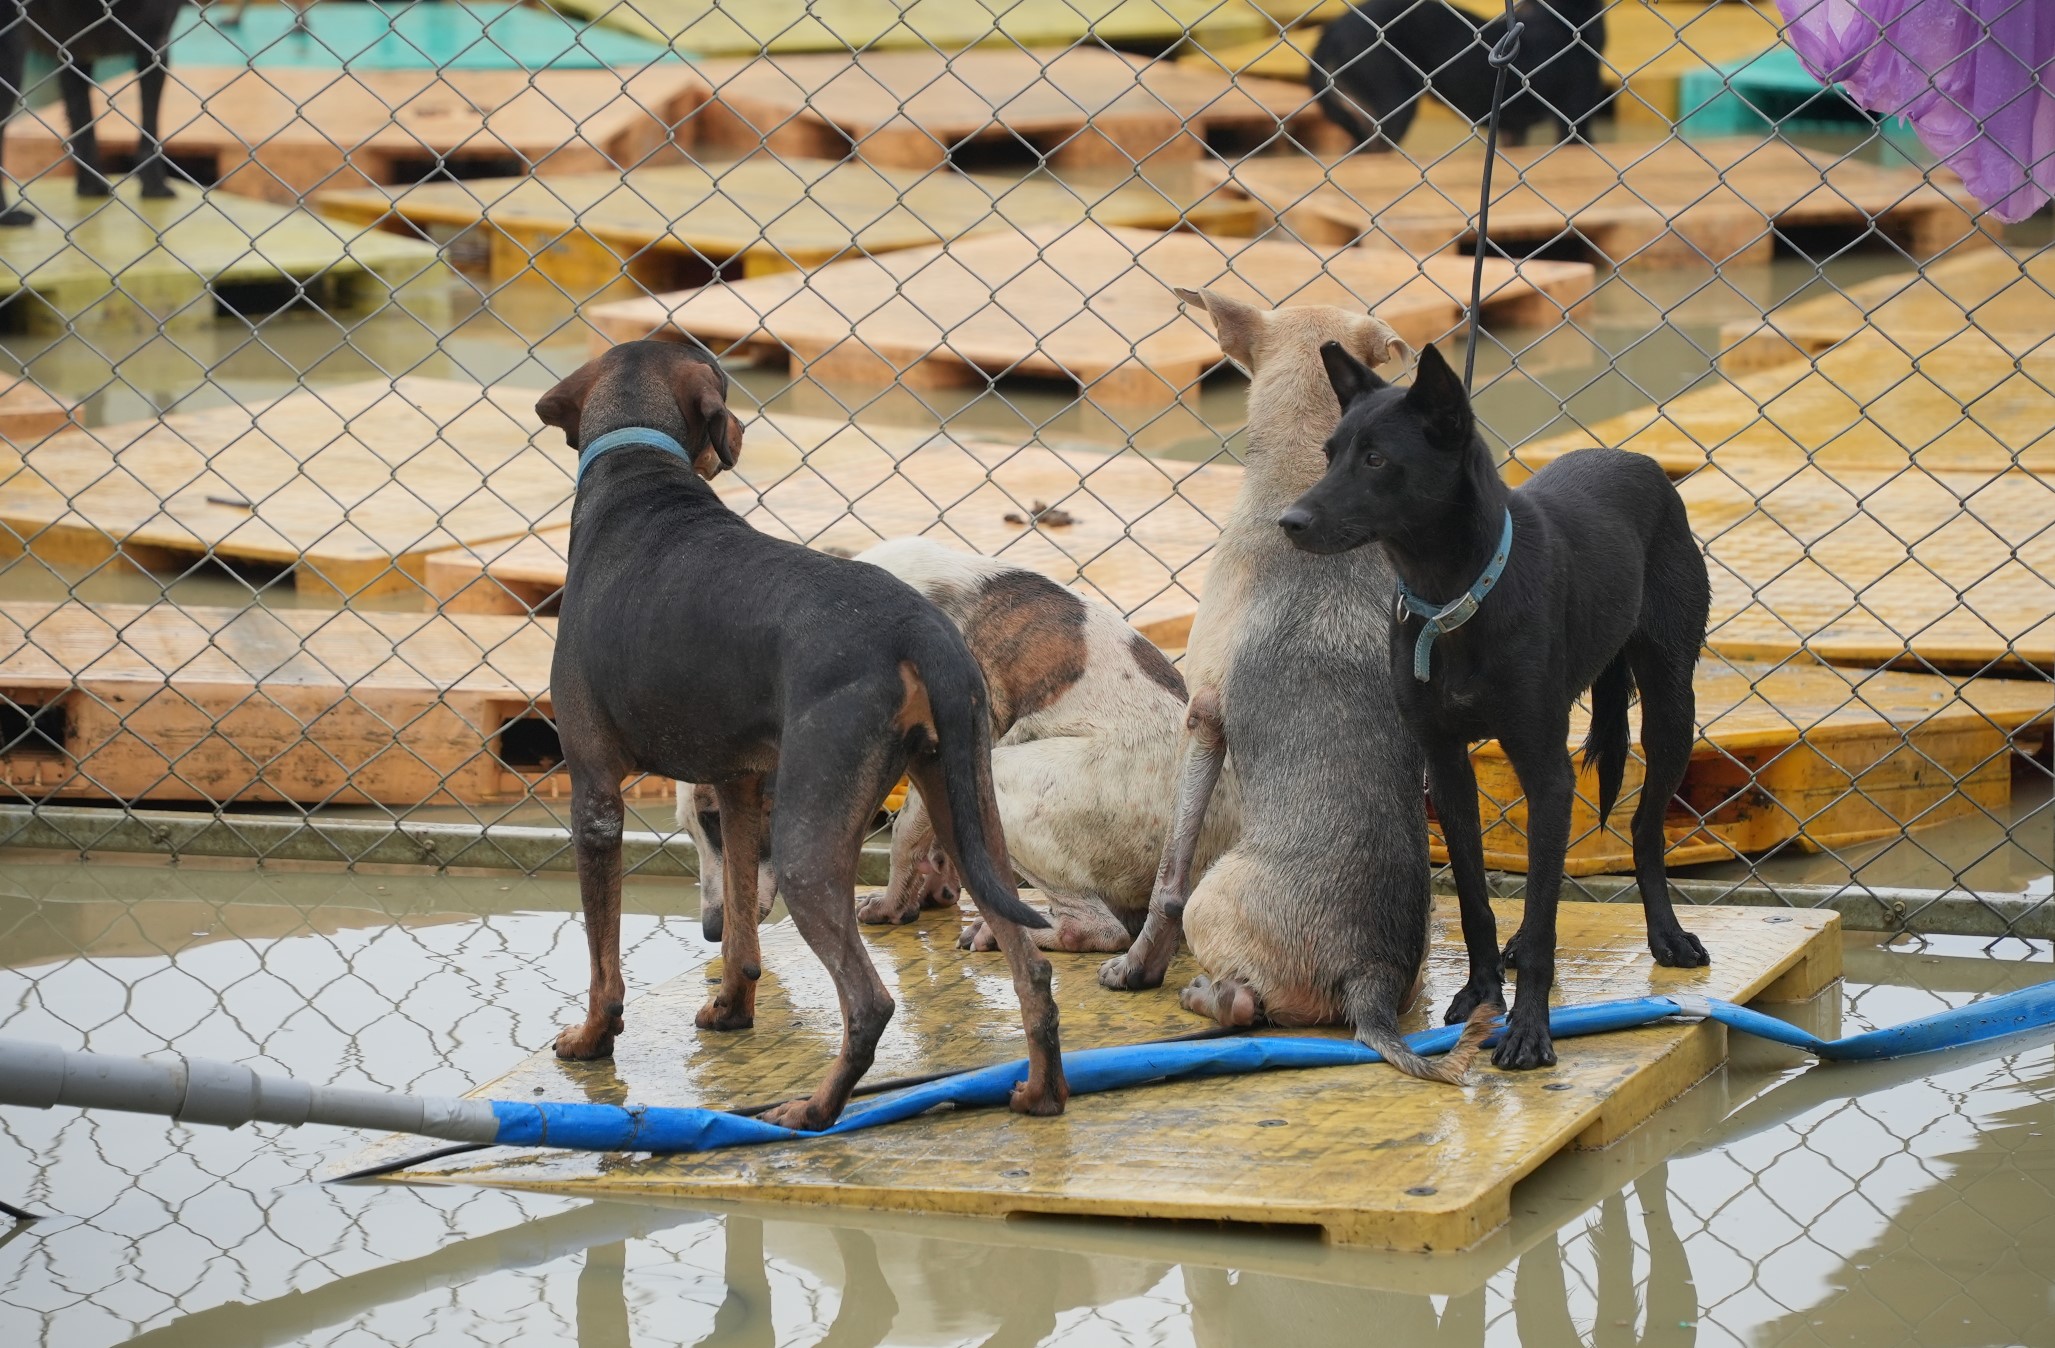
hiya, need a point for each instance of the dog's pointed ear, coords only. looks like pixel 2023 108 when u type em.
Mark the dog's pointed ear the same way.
pixel 1438 399
pixel 1236 325
pixel 560 407
pixel 1351 377
pixel 702 399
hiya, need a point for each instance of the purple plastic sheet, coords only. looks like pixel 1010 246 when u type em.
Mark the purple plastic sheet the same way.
pixel 1976 78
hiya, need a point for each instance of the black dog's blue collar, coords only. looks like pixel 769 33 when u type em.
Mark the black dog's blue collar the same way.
pixel 1449 617
pixel 627 435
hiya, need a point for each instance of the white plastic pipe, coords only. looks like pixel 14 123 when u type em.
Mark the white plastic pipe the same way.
pixel 197 1090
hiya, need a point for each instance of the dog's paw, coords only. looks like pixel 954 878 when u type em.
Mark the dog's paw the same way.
pixel 1040 1101
pixel 1524 1048
pixel 1677 949
pixel 1472 996
pixel 157 191
pixel 1126 973
pixel 91 185
pixel 16 216
pixel 1229 1001
pixel 587 1042
pixel 800 1115
pixel 978 937
pixel 879 910
pixel 723 1015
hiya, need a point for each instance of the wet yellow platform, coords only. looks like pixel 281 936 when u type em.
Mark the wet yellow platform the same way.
pixel 1140 533
pixel 663 228
pixel 125 264
pixel 1363 1154
pixel 2001 295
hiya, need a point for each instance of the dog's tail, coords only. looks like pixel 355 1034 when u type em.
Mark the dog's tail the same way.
pixel 1606 745
pixel 967 814
pixel 1372 1001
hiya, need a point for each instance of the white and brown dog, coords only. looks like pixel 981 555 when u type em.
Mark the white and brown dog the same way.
pixel 1087 723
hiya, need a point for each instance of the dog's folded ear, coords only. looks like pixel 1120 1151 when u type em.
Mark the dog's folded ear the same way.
pixel 1236 325
pixel 561 405
pixel 1437 397
pixel 703 401
pixel 1351 377
pixel 1381 342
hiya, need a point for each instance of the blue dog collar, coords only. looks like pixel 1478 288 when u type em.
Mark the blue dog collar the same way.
pixel 627 435
pixel 1452 616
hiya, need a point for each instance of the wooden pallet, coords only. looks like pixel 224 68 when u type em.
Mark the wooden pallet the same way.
pixel 1797 755
pixel 283 133
pixel 124 264
pixel 1143 527
pixel 1966 404
pixel 2000 295
pixel 351 487
pixel 1087 303
pixel 170 703
pixel 1668 203
pixel 664 228
pixel 1651 45
pixel 28 413
pixel 1361 1154
pixel 1081 107
pixel 1930 570
pixel 710 28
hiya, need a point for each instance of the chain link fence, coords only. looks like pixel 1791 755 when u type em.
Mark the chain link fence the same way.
pixel 282 537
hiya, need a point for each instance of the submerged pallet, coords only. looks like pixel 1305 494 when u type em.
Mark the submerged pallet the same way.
pixel 351 487
pixel 1997 294
pixel 1666 203
pixel 1081 107
pixel 121 263
pixel 1087 303
pixel 285 132
pixel 1797 755
pixel 1362 1154
pixel 314 707
pixel 663 228
pixel 1140 532
pixel 710 28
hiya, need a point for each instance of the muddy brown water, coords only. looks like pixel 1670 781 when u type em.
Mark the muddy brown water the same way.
pixel 1777 1202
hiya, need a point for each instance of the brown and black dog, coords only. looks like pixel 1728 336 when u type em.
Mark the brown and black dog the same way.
pixel 691 646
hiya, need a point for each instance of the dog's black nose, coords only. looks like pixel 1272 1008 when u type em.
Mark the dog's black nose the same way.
pixel 1296 520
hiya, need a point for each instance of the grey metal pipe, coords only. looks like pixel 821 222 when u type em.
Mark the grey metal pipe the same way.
pixel 200 1090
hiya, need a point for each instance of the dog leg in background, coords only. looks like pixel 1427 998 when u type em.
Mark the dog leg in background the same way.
pixel 1148 959
pixel 1078 923
pixel 89 181
pixel 1542 761
pixel 151 165
pixel 920 875
pixel 1669 718
pixel 596 820
pixel 1453 782
pixel 13 70
pixel 733 1007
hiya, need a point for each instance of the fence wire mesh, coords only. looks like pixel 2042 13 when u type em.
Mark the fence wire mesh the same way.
pixel 284 536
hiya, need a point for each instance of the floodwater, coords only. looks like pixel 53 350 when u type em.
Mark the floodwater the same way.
pixel 1776 1203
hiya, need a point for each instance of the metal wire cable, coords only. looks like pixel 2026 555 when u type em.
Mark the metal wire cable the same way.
pixel 1502 54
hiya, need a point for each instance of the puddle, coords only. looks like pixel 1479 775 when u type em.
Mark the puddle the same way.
pixel 1775 1203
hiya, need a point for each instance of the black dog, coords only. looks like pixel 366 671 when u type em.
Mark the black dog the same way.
pixel 78 33
pixel 1374 64
pixel 1599 585
pixel 691 646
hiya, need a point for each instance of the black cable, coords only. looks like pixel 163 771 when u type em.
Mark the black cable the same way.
pixel 373 1171
pixel 20 1214
pixel 1502 55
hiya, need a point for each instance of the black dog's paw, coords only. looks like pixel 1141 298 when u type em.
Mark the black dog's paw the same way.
pixel 158 191
pixel 1127 973
pixel 1677 949
pixel 1524 1048
pixel 1473 995
pixel 17 216
pixel 91 185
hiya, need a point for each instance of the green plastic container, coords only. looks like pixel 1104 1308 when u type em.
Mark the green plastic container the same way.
pixel 426 35
pixel 1774 92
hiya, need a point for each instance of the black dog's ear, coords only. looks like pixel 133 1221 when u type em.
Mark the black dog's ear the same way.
pixel 561 405
pixel 1351 377
pixel 1438 399
pixel 701 394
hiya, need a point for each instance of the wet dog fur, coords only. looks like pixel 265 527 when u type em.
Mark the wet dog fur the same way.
pixel 1319 911
pixel 693 647
pixel 1605 590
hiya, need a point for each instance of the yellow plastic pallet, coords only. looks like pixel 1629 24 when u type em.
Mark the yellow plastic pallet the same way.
pixel 1362 1154
pixel 124 264
pixel 663 228
pixel 1081 107
pixel 1650 46
pixel 1797 755
pixel 1088 303
pixel 1666 203
pixel 2005 297
pixel 709 28
pixel 283 132
pixel 350 486
pixel 1140 534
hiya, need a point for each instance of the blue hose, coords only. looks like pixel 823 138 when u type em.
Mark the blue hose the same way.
pixel 594 1127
